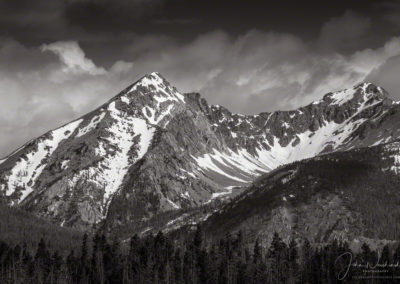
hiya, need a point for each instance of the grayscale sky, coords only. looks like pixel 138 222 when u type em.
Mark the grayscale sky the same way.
pixel 62 58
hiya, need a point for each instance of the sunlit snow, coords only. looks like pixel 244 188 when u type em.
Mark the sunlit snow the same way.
pixel 27 170
pixel 341 97
pixel 92 124
pixel 122 134
pixel 311 143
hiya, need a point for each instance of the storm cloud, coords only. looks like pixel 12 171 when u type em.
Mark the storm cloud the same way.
pixel 65 65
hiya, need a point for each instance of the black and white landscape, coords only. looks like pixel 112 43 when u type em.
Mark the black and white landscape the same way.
pixel 137 166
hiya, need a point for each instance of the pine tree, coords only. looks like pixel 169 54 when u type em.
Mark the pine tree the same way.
pixel 396 254
pixel 200 255
pixel 83 260
pixel 277 254
pixel 144 259
pixel 116 263
pixel 108 261
pixel 385 255
pixel 27 263
pixel 177 267
pixel 42 262
pixel 292 258
pixel 257 254
pixel 198 239
pixel 366 254
pixel 241 272
pixel 133 259
pixel 306 262
pixel 72 269
pixel 188 265
pixel 214 259
pixel 94 273
pixel 56 264
pixel 258 265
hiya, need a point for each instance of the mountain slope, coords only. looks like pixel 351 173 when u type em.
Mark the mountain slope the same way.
pixel 151 149
pixel 351 195
pixel 18 227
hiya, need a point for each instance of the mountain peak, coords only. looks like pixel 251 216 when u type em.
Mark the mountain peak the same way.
pixel 152 79
pixel 155 77
pixel 152 86
pixel 371 91
pixel 360 93
pixel 155 84
pixel 155 74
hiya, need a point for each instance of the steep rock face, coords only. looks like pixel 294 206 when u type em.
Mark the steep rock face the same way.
pixel 151 149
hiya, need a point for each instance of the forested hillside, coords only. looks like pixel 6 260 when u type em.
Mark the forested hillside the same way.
pixel 18 227
pixel 191 260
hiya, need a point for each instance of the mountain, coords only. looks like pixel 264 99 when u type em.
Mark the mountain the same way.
pixel 351 195
pixel 152 152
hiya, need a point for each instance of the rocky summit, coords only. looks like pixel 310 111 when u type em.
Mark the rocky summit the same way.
pixel 151 150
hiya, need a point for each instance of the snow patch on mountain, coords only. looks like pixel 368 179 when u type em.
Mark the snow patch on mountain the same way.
pixel 153 117
pixel 25 172
pixel 243 163
pixel 394 153
pixel 216 195
pixel 173 204
pixel 302 146
pixel 342 97
pixel 396 166
pixel 382 141
pixel 64 164
pixel 188 173
pixel 125 99
pixel 128 139
pixel 159 87
pixel 219 162
pixel 91 125
pixel 122 134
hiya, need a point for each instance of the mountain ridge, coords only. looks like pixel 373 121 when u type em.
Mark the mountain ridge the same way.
pixel 151 149
pixel 2 159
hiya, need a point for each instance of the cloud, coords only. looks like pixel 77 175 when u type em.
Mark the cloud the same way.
pixel 73 58
pixel 120 15
pixel 391 11
pixel 343 31
pixel 387 75
pixel 177 21
pixel 280 70
pixel 47 85
pixel 32 19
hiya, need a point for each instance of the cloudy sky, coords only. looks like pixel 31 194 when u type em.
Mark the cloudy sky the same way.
pixel 62 58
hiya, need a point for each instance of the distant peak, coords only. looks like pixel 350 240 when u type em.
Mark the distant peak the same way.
pixel 151 85
pixel 366 90
pixel 369 87
pixel 154 79
pixel 373 91
pixel 156 76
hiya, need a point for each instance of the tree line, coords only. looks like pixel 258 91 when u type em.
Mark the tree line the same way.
pixel 192 260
